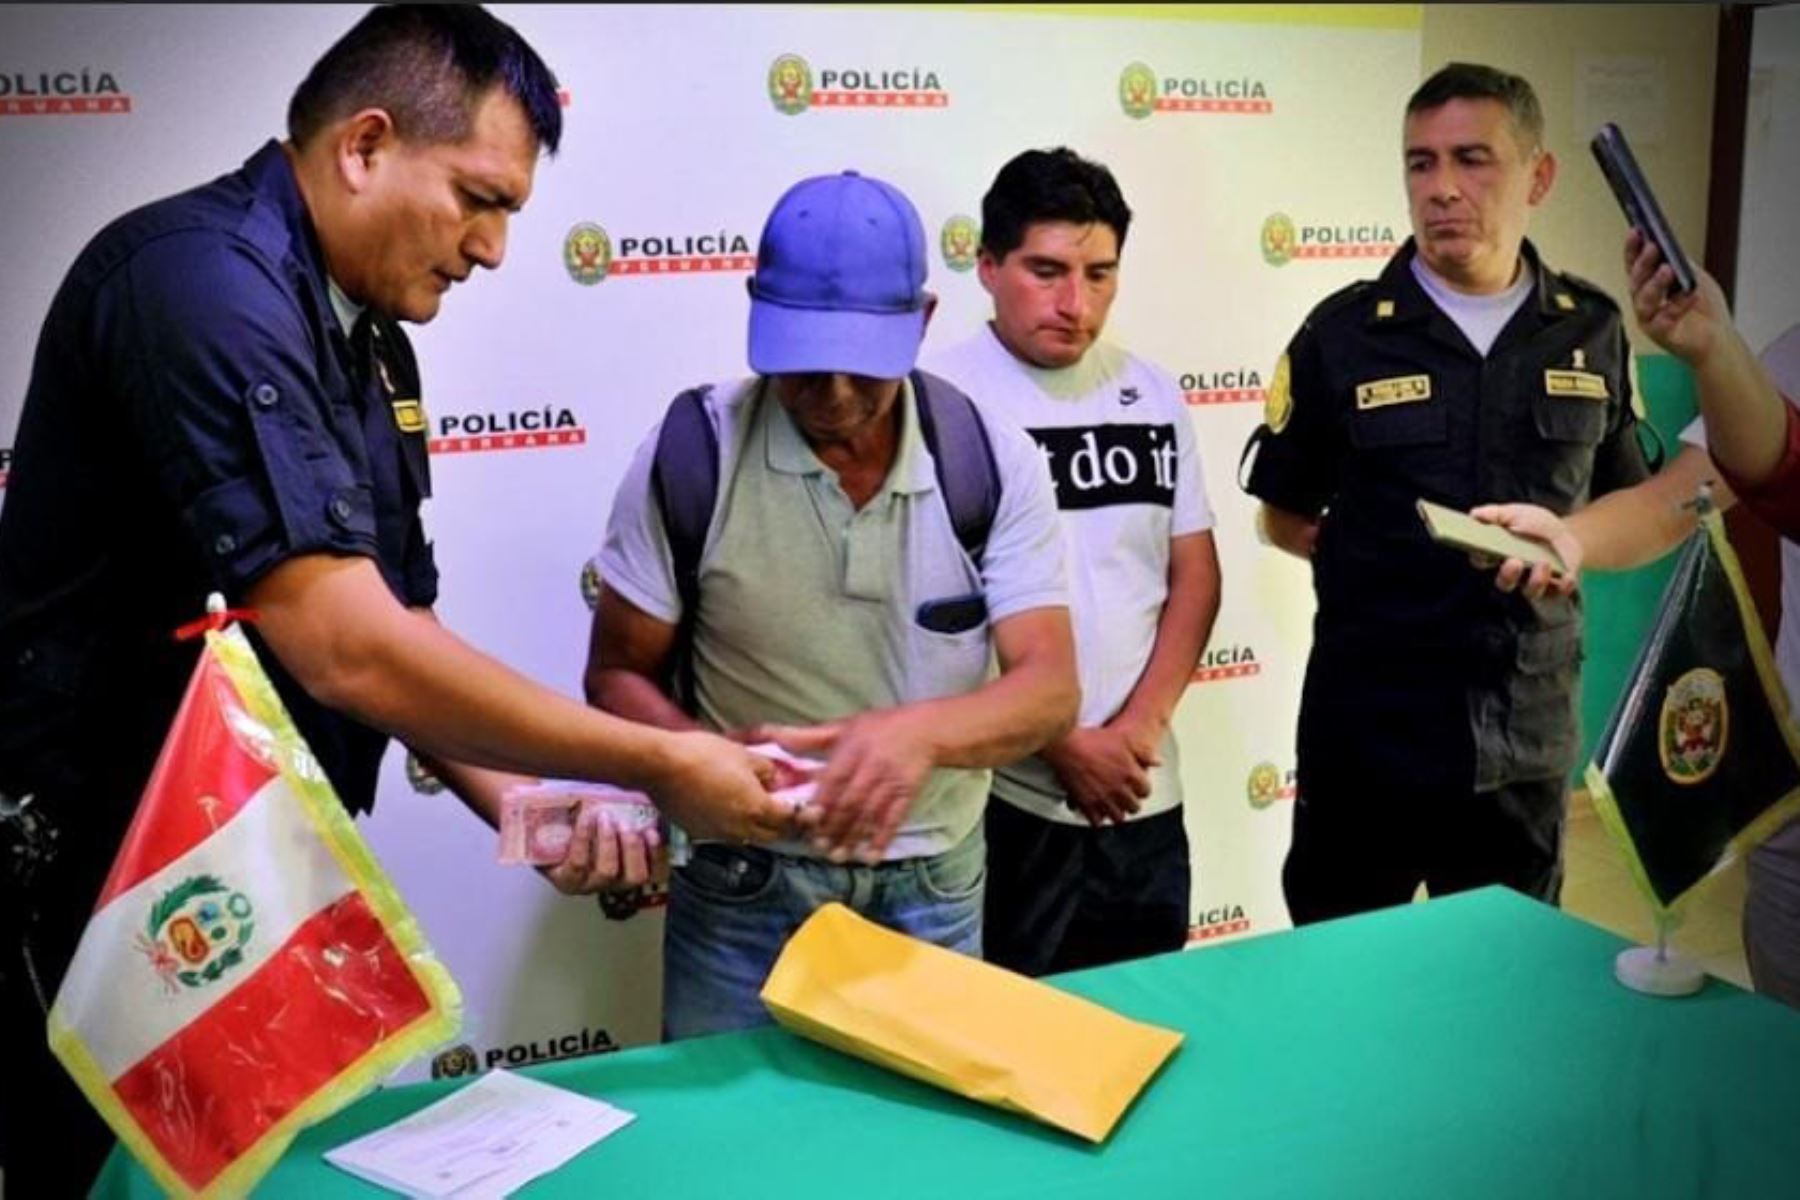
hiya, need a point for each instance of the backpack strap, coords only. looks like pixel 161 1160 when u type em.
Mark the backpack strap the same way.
pixel 684 476
pixel 963 455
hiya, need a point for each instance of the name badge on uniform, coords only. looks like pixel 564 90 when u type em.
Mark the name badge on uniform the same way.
pixel 1580 385
pixel 1401 389
pixel 409 416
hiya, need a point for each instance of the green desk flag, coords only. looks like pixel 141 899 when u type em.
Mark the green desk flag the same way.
pixel 1699 761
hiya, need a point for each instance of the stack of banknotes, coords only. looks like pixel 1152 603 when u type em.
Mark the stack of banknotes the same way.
pixel 537 821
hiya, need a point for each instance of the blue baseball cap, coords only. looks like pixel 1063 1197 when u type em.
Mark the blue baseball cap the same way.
pixel 840 281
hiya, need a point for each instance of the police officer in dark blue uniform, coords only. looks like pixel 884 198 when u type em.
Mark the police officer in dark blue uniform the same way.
pixel 1438 719
pixel 223 400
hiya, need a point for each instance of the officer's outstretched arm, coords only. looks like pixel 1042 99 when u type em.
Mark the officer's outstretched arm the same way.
pixel 337 628
pixel 600 858
pixel 1620 531
pixel 1288 530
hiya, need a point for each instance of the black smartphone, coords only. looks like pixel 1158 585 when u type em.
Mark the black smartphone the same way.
pixel 1614 155
pixel 953 614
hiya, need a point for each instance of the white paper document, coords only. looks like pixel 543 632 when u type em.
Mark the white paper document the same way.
pixel 487 1140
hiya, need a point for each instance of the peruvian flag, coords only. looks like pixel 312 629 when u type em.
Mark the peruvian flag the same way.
pixel 248 969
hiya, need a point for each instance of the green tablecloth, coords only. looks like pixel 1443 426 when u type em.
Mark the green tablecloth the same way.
pixel 1472 1046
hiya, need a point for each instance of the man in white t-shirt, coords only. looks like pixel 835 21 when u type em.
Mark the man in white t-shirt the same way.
pixel 1087 851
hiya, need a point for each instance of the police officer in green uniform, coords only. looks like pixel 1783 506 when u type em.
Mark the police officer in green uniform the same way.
pixel 1438 719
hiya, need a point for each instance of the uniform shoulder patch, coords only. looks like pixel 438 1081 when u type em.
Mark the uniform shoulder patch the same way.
pixel 409 415
pixel 1278 404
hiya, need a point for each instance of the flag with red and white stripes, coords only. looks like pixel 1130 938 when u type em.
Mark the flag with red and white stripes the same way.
pixel 248 969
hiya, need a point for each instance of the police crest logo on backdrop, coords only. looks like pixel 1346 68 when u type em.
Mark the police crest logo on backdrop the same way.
pixel 960 242
pixel 587 253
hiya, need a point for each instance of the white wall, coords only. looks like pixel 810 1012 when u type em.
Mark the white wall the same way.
pixel 1768 279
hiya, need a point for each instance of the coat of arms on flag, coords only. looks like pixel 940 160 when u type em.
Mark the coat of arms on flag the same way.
pixel 248 969
pixel 1699 760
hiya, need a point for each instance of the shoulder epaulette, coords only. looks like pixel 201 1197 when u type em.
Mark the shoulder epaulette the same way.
pixel 1338 300
pixel 1586 289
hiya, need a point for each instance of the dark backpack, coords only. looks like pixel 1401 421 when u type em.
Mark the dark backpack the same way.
pixel 684 477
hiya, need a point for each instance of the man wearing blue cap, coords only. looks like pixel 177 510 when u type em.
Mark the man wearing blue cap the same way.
pixel 835 552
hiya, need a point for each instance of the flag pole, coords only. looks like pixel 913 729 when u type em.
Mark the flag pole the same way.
pixel 1658 971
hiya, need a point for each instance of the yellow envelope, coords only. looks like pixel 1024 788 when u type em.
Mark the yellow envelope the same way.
pixel 967 1026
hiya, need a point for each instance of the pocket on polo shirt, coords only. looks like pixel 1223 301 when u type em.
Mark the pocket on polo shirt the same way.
pixel 947 664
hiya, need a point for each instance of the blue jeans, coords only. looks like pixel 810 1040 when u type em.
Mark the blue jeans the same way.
pixel 732 909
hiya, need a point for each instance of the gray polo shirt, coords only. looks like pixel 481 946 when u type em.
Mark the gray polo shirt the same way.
pixel 807 604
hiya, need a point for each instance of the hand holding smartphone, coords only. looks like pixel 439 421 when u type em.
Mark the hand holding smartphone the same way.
pixel 1459 529
pixel 1641 209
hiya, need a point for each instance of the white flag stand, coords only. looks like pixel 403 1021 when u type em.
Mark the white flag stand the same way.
pixel 1655 971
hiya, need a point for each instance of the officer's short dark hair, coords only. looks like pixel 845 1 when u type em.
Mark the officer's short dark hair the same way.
pixel 1049 185
pixel 428 66
pixel 1472 81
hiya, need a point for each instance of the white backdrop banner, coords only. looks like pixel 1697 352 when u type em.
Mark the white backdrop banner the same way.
pixel 1260 153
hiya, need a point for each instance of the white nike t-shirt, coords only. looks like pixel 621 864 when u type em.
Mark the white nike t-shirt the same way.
pixel 1120 445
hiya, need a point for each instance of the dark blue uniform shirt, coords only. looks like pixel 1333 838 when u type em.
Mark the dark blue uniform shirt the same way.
pixel 196 415
pixel 1380 401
